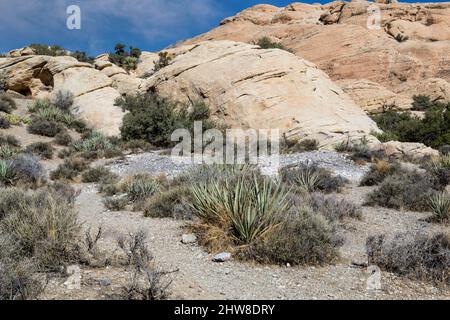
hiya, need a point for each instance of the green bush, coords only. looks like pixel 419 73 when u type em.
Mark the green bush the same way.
pixel 9 140
pixel 7 104
pixel 421 103
pixel 70 169
pixel 163 61
pixel 4 123
pixel 171 203
pixel 63 101
pixel 123 58
pixel 419 256
pixel 379 171
pixel 41 226
pixel 98 174
pixel 44 150
pixel 154 120
pixel 409 190
pixel 294 145
pixel 97 145
pixel 3 81
pixel 266 43
pixel 63 139
pixel 312 178
pixel 45 128
pixel 303 238
pixel 433 130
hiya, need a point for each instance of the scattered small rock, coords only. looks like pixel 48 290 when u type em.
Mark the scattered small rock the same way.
pixel 222 257
pixel 188 238
pixel 105 282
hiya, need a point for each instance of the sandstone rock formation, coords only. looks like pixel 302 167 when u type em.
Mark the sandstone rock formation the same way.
pixel 40 76
pixel 409 45
pixel 248 87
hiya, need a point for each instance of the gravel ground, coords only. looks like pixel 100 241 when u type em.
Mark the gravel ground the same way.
pixel 157 164
pixel 200 278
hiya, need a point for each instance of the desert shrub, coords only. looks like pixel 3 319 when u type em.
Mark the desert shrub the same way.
pixel 379 171
pixel 123 58
pixel 248 204
pixel 137 146
pixel 64 191
pixel 4 123
pixel 266 43
pixel 7 173
pixel 7 104
pixel 440 207
pixel 43 227
pixel 312 178
pixel 163 61
pixel 97 145
pixel 19 280
pixel 70 169
pixel 28 168
pixel 421 103
pixel 146 283
pixel 45 128
pixel 9 140
pixel 294 145
pixel 141 186
pixel 3 81
pixel 406 190
pixel 42 149
pixel 171 203
pixel 420 256
pixel 8 152
pixel 153 119
pixel 16 120
pixel 63 139
pixel 332 208
pixel 433 130
pixel 46 50
pixel 82 57
pixel 116 203
pixel 63 100
pixel 304 238
pixel 97 174
pixel 46 110
pixel 439 169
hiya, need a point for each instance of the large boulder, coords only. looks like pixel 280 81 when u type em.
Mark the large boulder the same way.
pixel 248 87
pixel 43 76
pixel 410 44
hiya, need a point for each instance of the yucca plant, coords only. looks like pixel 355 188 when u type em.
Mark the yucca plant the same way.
pixel 248 204
pixel 440 206
pixel 141 186
pixel 7 172
pixel 7 152
pixel 307 179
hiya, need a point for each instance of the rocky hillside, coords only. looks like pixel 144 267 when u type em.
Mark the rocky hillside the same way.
pixel 407 55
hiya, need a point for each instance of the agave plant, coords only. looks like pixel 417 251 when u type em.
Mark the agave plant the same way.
pixel 307 179
pixel 440 206
pixel 141 186
pixel 248 204
pixel 7 172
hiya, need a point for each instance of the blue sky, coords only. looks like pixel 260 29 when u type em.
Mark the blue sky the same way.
pixel 148 24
